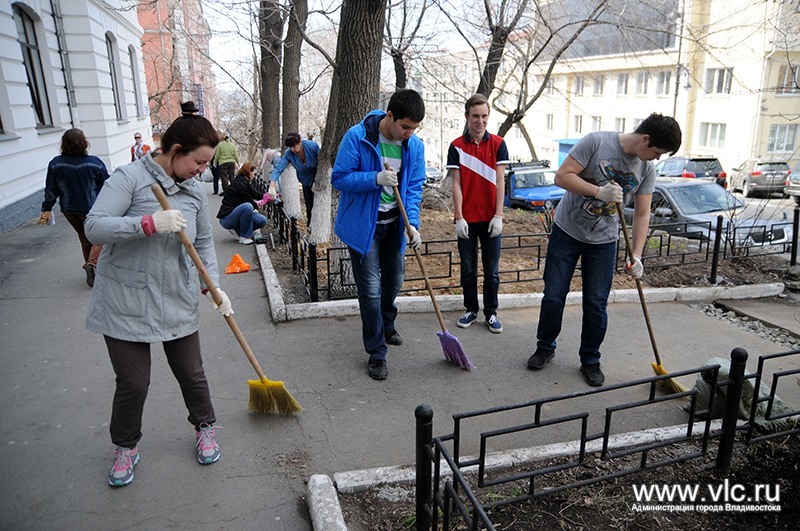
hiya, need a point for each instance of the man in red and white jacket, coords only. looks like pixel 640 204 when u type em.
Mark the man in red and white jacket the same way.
pixel 477 162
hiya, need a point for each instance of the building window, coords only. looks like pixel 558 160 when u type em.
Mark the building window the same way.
pixel 712 135
pixel 137 95
pixel 597 122
pixel 662 82
pixel 642 79
pixel 636 122
pixel 619 124
pixel 32 58
pixel 113 63
pixel 549 122
pixel 718 80
pixel 578 122
pixel 622 83
pixel 782 137
pixel 598 85
pixel 550 87
pixel 579 85
pixel 789 79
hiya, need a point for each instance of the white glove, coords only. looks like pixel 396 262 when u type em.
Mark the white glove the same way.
pixel 495 227
pixel 387 177
pixel 610 192
pixel 462 229
pixel 169 221
pixel 635 269
pixel 224 308
pixel 414 239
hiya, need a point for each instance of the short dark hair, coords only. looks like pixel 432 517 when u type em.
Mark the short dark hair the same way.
pixel 475 99
pixel 292 139
pixel 406 103
pixel 190 131
pixel 664 132
pixel 74 143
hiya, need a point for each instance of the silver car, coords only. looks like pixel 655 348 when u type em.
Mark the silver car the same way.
pixel 756 176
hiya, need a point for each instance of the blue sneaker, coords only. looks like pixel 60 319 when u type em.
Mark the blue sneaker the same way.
pixel 121 473
pixel 207 447
pixel 467 319
pixel 494 324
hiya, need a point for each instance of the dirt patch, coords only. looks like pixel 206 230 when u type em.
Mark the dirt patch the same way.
pixel 611 504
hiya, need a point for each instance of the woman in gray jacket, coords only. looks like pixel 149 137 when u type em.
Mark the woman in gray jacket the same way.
pixel 147 288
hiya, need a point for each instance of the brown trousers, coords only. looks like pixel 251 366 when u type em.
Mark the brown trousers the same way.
pixel 90 251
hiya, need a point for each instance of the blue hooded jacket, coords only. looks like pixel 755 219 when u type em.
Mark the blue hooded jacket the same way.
pixel 357 165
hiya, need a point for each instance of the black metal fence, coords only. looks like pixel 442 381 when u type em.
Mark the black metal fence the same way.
pixel 326 275
pixel 444 494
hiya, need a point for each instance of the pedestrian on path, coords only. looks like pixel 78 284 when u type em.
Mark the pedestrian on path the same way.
pixel 147 288
pixel 226 159
pixel 139 149
pixel 302 154
pixel 74 179
pixel 477 163
pixel 374 157
pixel 598 172
pixel 239 212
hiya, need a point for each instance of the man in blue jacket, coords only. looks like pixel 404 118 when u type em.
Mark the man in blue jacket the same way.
pixel 374 157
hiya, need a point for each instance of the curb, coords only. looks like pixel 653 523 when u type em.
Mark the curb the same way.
pixel 323 499
pixel 280 311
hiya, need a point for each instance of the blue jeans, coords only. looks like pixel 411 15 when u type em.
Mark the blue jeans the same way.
pixel 243 220
pixel 379 276
pixel 490 259
pixel 597 273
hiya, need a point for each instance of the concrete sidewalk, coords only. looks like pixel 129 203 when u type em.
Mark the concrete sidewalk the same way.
pixel 56 385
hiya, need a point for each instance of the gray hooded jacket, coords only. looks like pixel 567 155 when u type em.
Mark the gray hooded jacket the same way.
pixel 147 288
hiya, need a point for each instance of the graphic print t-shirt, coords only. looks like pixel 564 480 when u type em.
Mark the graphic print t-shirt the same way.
pixel 588 219
pixel 392 153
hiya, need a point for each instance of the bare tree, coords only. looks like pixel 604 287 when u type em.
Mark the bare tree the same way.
pixel 270 29
pixel 292 48
pixel 403 21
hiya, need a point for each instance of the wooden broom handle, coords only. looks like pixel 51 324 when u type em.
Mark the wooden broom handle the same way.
pixel 419 259
pixel 198 263
pixel 629 249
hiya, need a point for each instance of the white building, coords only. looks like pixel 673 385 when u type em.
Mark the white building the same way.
pixel 64 64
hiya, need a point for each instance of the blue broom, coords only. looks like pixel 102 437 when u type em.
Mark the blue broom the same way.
pixel 451 346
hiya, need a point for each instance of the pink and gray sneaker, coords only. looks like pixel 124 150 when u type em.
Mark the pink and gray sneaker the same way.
pixel 121 473
pixel 207 447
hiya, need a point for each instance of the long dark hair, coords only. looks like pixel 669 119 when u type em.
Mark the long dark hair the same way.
pixel 190 131
pixel 74 143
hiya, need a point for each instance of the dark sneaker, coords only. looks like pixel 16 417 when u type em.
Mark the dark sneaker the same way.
pixel 494 324
pixel 122 470
pixel 593 375
pixel 539 358
pixel 467 319
pixel 207 447
pixel 90 271
pixel 377 370
pixel 393 338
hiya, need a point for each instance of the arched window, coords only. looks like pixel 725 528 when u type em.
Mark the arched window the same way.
pixel 113 67
pixel 137 95
pixel 32 58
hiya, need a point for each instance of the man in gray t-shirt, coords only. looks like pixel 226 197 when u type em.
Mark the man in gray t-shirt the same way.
pixel 599 171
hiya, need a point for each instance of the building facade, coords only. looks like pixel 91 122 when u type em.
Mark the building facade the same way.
pixel 65 64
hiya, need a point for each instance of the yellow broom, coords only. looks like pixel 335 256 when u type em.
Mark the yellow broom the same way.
pixel 670 383
pixel 266 396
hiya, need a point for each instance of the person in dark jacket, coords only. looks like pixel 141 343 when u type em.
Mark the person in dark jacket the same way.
pixel 238 212
pixel 74 179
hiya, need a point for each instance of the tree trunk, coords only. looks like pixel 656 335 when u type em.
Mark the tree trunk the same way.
pixel 270 29
pixel 493 60
pixel 400 79
pixel 291 65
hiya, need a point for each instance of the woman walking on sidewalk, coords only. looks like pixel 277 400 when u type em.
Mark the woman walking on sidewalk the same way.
pixel 74 179
pixel 147 287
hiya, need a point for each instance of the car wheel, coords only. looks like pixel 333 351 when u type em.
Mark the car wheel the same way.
pixel 746 191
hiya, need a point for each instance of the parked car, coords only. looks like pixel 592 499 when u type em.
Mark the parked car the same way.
pixel 532 186
pixel 693 168
pixel 792 188
pixel 689 208
pixel 759 176
pixel 433 175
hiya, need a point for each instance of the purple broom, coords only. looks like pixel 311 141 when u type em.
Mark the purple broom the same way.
pixel 451 346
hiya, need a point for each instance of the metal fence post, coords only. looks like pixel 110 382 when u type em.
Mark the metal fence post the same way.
pixel 312 272
pixel 293 244
pixel 424 416
pixel 715 256
pixel 729 418
pixel 795 236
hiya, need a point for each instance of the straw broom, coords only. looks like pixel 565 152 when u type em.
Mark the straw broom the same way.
pixel 451 346
pixel 266 396
pixel 671 384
